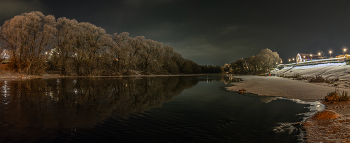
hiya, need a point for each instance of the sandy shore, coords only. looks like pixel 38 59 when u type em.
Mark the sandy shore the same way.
pixel 330 125
pixel 284 87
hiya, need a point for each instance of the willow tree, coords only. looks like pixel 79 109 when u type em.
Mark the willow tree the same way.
pixel 90 46
pixel 27 36
pixel 151 57
pixel 122 52
pixel 65 38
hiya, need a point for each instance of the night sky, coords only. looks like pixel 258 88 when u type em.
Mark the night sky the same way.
pixel 211 31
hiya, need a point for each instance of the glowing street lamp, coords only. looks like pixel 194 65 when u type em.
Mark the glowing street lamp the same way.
pixel 311 56
pixel 293 59
pixel 330 54
pixel 319 53
pixel 344 50
pixel 281 62
pixel 288 60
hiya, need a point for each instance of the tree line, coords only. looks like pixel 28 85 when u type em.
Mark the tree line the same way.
pixel 40 44
pixel 261 63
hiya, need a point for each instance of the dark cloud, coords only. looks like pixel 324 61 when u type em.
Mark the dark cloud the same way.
pixel 211 32
pixel 10 8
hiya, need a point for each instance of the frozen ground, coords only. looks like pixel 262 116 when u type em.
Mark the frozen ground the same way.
pixel 284 87
pixel 317 130
pixel 330 71
pixel 298 89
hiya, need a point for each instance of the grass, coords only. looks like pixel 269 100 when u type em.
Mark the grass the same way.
pixel 295 76
pixel 337 97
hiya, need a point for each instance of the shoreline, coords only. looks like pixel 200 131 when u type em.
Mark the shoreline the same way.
pixel 284 87
pixel 330 125
pixel 11 76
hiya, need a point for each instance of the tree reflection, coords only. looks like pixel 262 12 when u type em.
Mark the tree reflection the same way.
pixel 83 102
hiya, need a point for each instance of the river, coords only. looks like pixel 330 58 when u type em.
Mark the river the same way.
pixel 145 109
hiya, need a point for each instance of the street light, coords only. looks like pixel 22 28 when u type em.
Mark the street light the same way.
pixel 344 50
pixel 310 56
pixel 288 60
pixel 319 53
pixel 330 54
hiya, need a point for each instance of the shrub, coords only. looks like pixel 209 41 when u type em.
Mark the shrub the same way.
pixel 298 76
pixel 337 97
pixel 295 76
pixel 317 79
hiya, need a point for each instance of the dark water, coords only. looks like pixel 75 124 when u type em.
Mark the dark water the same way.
pixel 151 109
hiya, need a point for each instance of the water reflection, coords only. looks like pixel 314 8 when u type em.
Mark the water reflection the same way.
pixel 229 79
pixel 83 102
pixel 267 99
pixel 98 109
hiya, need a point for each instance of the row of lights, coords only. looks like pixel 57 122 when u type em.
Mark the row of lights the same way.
pixel 319 53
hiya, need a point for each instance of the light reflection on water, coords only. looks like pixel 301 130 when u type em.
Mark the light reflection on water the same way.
pixel 161 109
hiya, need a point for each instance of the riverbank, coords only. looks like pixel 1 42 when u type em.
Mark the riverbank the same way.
pixel 14 76
pixel 284 87
pixel 331 126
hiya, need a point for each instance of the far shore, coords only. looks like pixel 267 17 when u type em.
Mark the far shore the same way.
pixel 14 76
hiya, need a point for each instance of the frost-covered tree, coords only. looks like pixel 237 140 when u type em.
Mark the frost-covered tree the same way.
pixel 38 43
pixel 90 43
pixel 240 66
pixel 173 61
pixel 268 59
pixel 27 36
pixel 145 56
pixel 65 38
pixel 254 64
pixel 151 57
pixel 260 63
pixel 135 46
pixel 122 52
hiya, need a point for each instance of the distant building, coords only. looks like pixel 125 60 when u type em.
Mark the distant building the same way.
pixel 5 54
pixel 306 57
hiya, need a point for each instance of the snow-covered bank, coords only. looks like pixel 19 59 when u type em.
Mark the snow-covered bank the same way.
pixel 282 87
pixel 333 126
pixel 330 71
pixel 317 129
